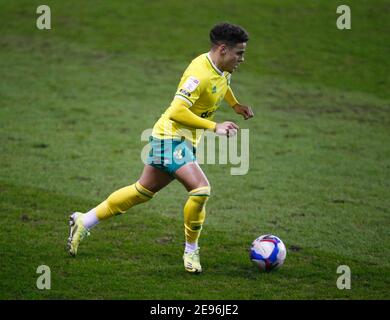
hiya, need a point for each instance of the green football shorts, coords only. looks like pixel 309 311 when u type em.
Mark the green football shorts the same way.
pixel 169 155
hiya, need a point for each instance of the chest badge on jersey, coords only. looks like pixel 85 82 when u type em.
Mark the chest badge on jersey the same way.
pixel 214 89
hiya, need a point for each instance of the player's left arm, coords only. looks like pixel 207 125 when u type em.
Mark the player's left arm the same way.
pixel 239 108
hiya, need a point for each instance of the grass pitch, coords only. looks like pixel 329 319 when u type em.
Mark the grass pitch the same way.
pixel 74 101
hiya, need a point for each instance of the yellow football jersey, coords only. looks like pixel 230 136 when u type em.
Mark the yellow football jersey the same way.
pixel 202 87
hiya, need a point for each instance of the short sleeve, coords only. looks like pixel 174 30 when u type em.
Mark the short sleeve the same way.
pixel 190 89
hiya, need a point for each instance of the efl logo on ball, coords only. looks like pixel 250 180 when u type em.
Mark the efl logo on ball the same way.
pixel 268 252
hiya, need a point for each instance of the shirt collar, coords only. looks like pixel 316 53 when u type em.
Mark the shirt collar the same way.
pixel 213 65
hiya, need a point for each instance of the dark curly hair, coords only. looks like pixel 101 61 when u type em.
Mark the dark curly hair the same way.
pixel 228 33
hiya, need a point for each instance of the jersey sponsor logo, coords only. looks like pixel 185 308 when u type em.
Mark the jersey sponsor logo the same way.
pixel 207 114
pixel 191 84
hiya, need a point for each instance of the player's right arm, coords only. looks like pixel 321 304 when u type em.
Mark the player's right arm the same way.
pixel 179 112
pixel 189 91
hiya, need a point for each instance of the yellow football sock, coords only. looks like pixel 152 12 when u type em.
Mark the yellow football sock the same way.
pixel 195 212
pixel 122 200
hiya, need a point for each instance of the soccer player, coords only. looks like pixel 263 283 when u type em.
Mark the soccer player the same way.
pixel 203 86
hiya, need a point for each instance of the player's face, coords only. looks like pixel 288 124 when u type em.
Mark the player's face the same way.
pixel 234 56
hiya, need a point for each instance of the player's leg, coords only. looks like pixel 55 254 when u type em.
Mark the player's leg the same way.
pixel 151 181
pixel 198 187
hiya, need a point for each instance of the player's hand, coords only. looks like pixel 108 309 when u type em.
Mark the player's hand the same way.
pixel 226 128
pixel 245 111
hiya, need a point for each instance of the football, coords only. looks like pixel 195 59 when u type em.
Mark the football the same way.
pixel 268 252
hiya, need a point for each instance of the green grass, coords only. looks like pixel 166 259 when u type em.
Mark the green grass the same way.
pixel 74 101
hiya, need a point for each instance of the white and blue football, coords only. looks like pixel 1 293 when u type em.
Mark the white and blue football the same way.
pixel 268 252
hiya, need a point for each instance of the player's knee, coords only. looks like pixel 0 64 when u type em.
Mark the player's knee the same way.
pixel 202 193
pixel 197 199
pixel 143 194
